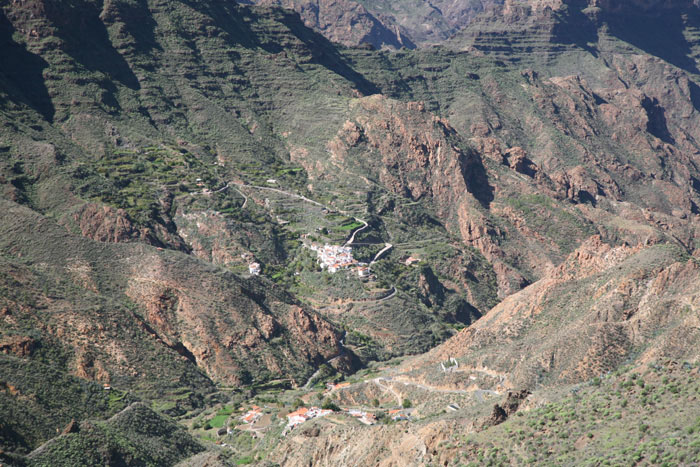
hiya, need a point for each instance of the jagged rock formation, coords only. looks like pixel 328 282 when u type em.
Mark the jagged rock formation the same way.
pixel 344 21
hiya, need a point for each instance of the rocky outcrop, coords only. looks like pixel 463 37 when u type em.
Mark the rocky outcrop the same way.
pixel 105 224
pixel 501 412
pixel 228 343
pixel 111 225
pixel 417 157
pixel 385 24
pixel 21 346
pixel 72 427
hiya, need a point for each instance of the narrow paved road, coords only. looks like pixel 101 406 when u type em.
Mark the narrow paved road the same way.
pixel 387 247
pixel 429 388
pixel 275 190
pixel 478 394
pixel 245 198
pixel 352 237
pixel 390 296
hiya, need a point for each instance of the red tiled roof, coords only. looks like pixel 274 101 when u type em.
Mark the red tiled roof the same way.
pixel 301 412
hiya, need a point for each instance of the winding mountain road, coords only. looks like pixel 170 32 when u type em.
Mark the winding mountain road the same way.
pixel 387 247
pixel 478 393
pixel 351 240
pixel 282 192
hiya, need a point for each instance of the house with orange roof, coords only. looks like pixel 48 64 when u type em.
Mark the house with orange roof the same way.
pixel 302 411
pixel 303 414
pixel 252 415
pixel 411 260
pixel 297 417
pixel 333 387
pixel 398 414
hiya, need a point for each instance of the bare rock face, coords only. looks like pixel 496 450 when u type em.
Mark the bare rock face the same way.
pixel 111 225
pixel 384 23
pixel 415 158
pixel 517 160
pixel 181 310
pixel 346 22
pixel 72 427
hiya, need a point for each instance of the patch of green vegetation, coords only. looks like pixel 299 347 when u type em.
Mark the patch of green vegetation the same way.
pixel 220 418
pixel 136 436
pixel 50 400
pixel 134 180
pixel 611 421
pixel 350 225
pixel 116 399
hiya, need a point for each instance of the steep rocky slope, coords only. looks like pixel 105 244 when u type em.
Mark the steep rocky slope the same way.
pixel 561 143
pixel 96 278
pixel 346 22
pixel 386 24
pixel 581 121
pixel 514 25
pixel 622 304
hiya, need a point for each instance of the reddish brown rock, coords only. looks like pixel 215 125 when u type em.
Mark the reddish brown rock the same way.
pixel 518 161
pixel 72 427
pixel 105 224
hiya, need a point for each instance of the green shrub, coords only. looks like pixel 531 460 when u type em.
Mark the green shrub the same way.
pixel 329 405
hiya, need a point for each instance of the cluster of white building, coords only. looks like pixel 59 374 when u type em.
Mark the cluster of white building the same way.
pixel 253 415
pixel 303 414
pixel 254 268
pixel 364 417
pixel 333 258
